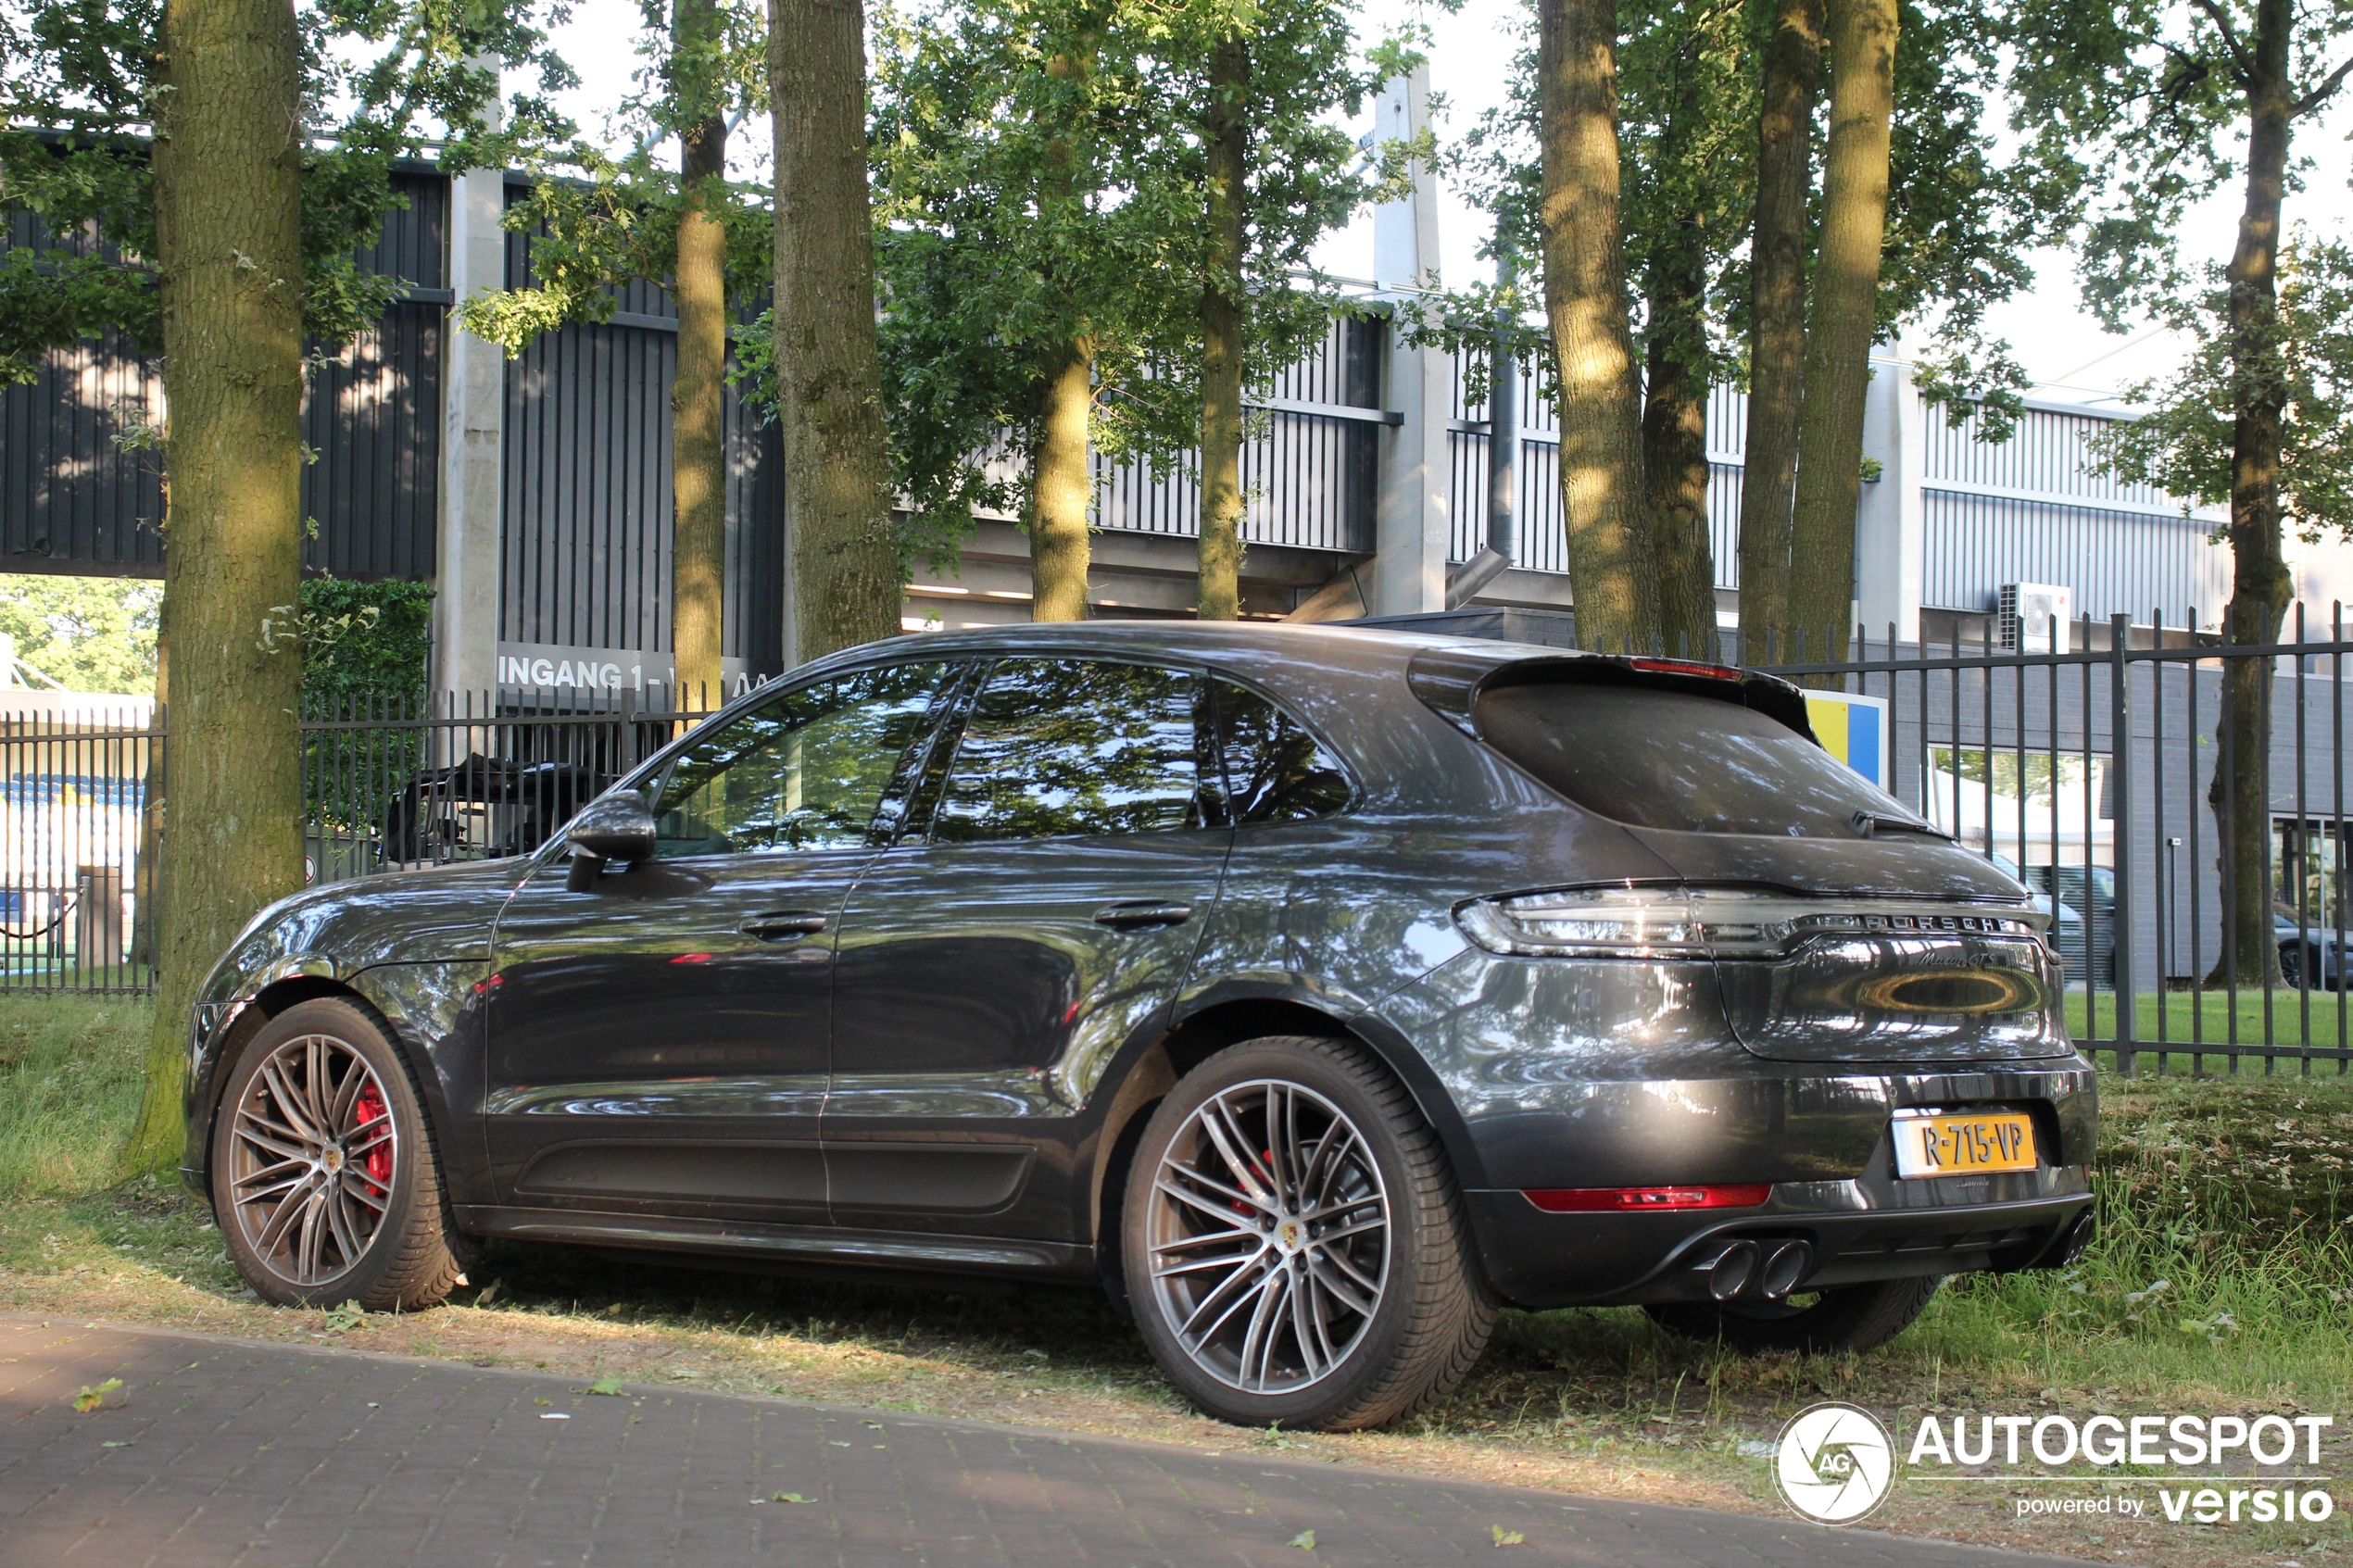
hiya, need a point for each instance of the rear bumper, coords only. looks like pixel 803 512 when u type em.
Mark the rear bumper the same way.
pixel 1536 1259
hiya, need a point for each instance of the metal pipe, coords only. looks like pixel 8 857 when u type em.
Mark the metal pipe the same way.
pixel 1502 448
pixel 1502 417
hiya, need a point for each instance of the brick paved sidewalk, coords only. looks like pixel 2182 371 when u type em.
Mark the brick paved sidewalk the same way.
pixel 236 1452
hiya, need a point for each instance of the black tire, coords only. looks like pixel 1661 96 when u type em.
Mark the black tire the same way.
pixel 1857 1317
pixel 317 1221
pixel 2292 964
pixel 1431 1309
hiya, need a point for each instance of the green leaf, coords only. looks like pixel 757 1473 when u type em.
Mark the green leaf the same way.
pixel 790 1496
pixel 604 1385
pixel 90 1396
pixel 1507 1538
pixel 1305 1540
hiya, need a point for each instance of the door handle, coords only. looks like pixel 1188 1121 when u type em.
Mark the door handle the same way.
pixel 1142 916
pixel 782 924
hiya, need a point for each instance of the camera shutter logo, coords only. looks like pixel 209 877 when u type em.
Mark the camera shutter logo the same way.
pixel 1833 1462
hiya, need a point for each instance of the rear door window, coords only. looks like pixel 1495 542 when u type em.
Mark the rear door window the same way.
pixel 1660 759
pixel 1061 746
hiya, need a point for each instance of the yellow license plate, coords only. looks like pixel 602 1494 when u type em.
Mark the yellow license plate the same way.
pixel 1964 1144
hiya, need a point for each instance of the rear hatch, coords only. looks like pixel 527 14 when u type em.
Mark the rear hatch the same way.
pixel 1844 927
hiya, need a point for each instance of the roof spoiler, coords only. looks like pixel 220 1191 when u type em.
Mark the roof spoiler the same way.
pixel 1449 682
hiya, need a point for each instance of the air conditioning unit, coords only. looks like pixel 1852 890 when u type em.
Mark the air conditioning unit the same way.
pixel 2033 617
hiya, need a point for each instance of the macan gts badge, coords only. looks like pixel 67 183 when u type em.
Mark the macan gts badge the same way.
pixel 1316 990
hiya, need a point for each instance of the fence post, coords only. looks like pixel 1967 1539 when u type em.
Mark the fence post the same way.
pixel 2119 766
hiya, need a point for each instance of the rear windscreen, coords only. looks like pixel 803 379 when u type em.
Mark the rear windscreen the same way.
pixel 1670 760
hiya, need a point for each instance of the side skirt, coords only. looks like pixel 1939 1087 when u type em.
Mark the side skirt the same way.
pixel 863 1249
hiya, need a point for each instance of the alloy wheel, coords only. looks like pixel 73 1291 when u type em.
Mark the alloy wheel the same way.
pixel 313 1155
pixel 1269 1236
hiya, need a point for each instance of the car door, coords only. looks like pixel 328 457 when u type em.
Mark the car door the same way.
pixel 1042 907
pixel 660 1042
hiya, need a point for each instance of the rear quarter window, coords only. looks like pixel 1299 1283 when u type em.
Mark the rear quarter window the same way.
pixel 1661 759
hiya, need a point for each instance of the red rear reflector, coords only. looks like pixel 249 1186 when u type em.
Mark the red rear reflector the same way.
pixel 1619 1200
pixel 1686 667
pixel 692 958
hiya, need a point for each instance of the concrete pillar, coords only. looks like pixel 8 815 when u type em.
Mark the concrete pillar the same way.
pixel 465 632
pixel 1413 515
pixel 1891 522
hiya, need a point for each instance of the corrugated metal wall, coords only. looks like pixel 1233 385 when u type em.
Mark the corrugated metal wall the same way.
pixel 586 545
pixel 2031 510
pixel 587 459
pixel 2117 563
pixel 72 498
pixel 2050 454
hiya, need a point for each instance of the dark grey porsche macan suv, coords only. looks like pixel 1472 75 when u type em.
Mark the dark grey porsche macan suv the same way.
pixel 1317 990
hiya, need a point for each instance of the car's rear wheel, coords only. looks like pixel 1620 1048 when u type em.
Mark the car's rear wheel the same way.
pixel 1294 1244
pixel 1855 1317
pixel 324 1176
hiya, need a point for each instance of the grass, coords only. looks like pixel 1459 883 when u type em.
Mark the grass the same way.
pixel 2209 1013
pixel 2222 1280
pixel 69 1086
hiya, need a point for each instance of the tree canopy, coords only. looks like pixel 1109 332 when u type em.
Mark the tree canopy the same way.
pixel 381 79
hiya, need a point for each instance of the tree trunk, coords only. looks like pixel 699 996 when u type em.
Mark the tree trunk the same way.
pixel 2260 587
pixel 227 200
pixel 846 586
pixel 1674 400
pixel 697 397
pixel 1838 339
pixel 1061 492
pixel 1675 465
pixel 1610 566
pixel 1221 330
pixel 1777 321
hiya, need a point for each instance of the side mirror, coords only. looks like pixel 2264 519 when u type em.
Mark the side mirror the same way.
pixel 612 827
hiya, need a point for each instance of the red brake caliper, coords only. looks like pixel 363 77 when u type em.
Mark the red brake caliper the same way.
pixel 371 1110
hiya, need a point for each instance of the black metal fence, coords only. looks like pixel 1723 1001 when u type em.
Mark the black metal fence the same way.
pixel 2091 773
pixel 393 786
pixel 2099 775
pixel 386 786
pixel 76 783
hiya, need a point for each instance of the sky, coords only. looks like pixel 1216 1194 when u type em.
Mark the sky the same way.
pixel 1471 51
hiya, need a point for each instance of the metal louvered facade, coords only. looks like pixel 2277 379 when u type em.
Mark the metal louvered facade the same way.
pixel 2034 509
pixel 587 508
pixel 78 493
pixel 1309 456
pixel 2029 508
pixel 583 484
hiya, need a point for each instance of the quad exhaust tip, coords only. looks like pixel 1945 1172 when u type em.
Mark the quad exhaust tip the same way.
pixel 1786 1266
pixel 1733 1268
pixel 1768 1273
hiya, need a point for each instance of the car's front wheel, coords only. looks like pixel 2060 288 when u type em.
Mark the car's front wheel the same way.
pixel 324 1178
pixel 1295 1245
pixel 1855 1317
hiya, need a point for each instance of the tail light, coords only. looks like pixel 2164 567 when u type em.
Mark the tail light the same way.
pixel 1698 922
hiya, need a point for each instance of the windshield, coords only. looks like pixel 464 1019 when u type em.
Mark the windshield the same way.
pixel 1681 761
